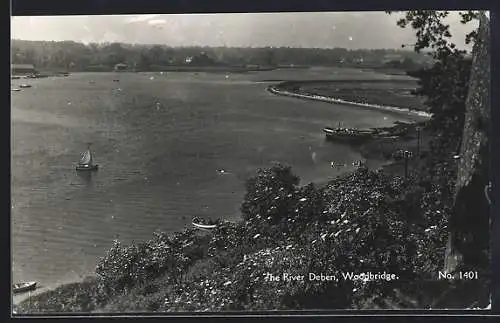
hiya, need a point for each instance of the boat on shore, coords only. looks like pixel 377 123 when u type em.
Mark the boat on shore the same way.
pixel 359 163
pixel 350 135
pixel 205 225
pixel 24 287
pixel 86 162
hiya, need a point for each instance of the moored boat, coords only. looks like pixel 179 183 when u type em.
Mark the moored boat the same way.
pixel 24 286
pixel 359 163
pixel 24 86
pixel 200 224
pixel 347 134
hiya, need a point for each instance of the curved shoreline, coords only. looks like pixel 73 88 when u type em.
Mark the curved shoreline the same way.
pixel 274 89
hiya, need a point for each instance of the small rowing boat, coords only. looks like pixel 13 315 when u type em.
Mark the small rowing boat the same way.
pixel 198 223
pixel 359 163
pixel 24 287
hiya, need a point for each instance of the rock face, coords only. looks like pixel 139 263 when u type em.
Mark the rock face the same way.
pixel 469 225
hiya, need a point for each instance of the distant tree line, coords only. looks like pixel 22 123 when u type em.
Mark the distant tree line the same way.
pixel 76 56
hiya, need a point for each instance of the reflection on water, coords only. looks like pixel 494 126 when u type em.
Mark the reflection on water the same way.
pixel 85 177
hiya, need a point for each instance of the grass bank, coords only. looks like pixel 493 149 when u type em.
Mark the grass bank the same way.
pixel 391 93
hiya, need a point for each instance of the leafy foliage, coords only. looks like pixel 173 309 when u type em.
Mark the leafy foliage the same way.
pixel 445 84
pixel 432 33
pixel 80 297
pixel 268 195
pixel 123 267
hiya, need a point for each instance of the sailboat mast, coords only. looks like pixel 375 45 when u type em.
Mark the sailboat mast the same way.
pixel 90 155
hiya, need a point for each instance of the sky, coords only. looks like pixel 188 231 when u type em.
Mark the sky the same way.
pixel 352 30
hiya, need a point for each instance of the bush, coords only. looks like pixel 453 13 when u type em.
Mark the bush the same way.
pixel 124 267
pixel 269 197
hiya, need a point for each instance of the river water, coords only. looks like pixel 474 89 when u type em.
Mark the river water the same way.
pixel 160 141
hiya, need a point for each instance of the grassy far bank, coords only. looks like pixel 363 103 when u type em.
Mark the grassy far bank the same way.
pixel 394 93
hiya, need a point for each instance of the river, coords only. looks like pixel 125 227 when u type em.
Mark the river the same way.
pixel 160 141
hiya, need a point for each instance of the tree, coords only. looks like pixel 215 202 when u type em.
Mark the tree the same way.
pixel 446 82
pixel 144 60
pixel 156 53
pixel 269 194
pixel 269 57
pixel 433 34
pixel 446 85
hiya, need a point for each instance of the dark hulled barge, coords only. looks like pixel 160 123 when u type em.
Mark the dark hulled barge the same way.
pixel 348 135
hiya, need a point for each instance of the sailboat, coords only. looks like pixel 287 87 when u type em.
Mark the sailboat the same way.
pixel 86 162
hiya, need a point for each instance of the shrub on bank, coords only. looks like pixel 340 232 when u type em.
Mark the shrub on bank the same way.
pixel 82 297
pixel 124 267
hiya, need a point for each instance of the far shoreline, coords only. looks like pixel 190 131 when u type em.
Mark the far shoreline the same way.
pixel 277 89
pixel 376 149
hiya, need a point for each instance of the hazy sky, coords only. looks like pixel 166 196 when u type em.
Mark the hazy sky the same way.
pixel 331 29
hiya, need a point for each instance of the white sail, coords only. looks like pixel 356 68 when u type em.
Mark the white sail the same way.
pixel 91 157
pixel 86 158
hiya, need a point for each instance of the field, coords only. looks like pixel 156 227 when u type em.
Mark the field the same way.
pixel 395 93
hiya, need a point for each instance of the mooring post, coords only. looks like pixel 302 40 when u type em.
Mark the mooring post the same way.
pixel 407 155
pixel 418 142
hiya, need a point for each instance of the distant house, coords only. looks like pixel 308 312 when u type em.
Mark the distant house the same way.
pixel 120 67
pixel 22 69
pixel 188 59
